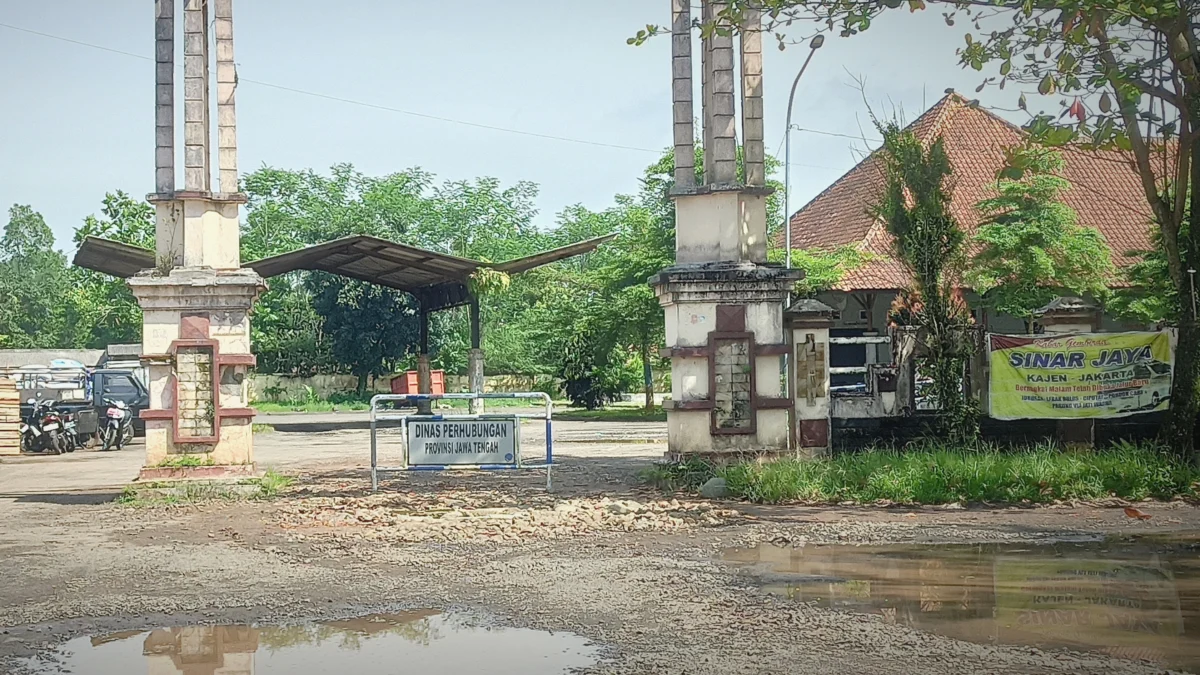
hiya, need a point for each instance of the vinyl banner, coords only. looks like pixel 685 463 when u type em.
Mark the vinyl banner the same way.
pixel 1078 375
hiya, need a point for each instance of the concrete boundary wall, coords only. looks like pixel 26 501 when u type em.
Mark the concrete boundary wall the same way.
pixel 264 387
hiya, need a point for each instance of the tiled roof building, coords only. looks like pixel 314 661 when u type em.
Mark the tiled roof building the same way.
pixel 1105 192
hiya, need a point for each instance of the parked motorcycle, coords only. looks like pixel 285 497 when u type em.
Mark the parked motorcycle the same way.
pixel 70 436
pixel 118 425
pixel 48 430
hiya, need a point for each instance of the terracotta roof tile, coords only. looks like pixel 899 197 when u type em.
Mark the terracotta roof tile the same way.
pixel 1105 192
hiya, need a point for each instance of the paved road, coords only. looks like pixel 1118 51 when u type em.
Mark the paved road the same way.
pixel 108 472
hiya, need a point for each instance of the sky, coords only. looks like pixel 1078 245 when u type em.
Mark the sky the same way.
pixel 414 77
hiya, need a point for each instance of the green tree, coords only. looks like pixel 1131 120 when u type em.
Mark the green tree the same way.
pixel 625 315
pixel 305 322
pixel 288 333
pixel 916 211
pixel 33 283
pixel 480 219
pixel 104 310
pixel 823 269
pixel 1148 296
pixel 1031 245
pixel 370 327
pixel 1129 75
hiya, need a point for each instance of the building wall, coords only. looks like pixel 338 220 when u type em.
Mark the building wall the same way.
pixel 285 388
pixel 855 318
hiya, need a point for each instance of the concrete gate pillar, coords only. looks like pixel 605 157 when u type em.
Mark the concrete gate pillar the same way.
pixel 723 302
pixel 196 302
pixel 1065 316
pixel 809 322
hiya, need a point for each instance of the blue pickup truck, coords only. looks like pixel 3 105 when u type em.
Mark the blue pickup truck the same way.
pixel 84 393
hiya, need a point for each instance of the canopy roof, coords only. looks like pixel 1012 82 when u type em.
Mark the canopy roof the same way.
pixel 437 280
pixel 113 257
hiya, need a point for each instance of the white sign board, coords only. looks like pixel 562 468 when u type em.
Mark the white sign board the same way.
pixel 487 440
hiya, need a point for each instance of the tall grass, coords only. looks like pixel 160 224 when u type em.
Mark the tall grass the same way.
pixel 941 474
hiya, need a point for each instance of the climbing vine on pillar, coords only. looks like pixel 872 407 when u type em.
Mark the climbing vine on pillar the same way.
pixel 915 209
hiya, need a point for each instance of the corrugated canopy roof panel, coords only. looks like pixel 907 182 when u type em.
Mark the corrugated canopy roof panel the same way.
pixel 378 261
pixel 113 257
pixel 371 259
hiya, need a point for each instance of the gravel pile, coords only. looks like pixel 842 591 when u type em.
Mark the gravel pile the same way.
pixel 495 516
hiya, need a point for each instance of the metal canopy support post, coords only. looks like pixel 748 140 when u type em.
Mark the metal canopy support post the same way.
pixel 383 413
pixel 424 369
pixel 475 359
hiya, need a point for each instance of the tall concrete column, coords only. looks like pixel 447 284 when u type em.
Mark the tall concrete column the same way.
pixel 723 305
pixel 753 153
pixel 196 302
pixel 724 132
pixel 196 174
pixel 1064 316
pixel 226 87
pixel 706 92
pixel 681 92
pixel 164 96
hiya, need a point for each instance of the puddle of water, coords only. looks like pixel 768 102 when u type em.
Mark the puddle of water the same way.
pixel 1129 600
pixel 422 641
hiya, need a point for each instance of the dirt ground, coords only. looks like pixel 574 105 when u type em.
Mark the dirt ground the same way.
pixel 626 567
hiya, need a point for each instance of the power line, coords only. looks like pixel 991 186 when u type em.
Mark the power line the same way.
pixel 376 106
pixel 340 99
pixel 836 134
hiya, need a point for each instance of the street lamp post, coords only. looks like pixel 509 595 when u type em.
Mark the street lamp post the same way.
pixel 813 46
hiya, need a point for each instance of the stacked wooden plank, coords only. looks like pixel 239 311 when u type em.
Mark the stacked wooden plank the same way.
pixel 10 418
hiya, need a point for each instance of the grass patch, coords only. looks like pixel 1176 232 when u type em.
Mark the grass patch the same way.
pixel 262 429
pixel 612 414
pixel 937 474
pixel 272 483
pixel 174 493
pixel 687 475
pixel 314 406
pixel 181 461
pixel 463 404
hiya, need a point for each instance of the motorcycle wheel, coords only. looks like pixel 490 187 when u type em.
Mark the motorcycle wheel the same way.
pixel 109 437
pixel 128 436
pixel 53 443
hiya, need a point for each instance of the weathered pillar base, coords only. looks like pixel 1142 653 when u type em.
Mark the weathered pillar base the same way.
pixel 725 339
pixel 196 346
pixel 475 377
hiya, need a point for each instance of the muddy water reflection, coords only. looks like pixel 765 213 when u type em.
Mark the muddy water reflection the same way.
pixel 424 641
pixel 1138 601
